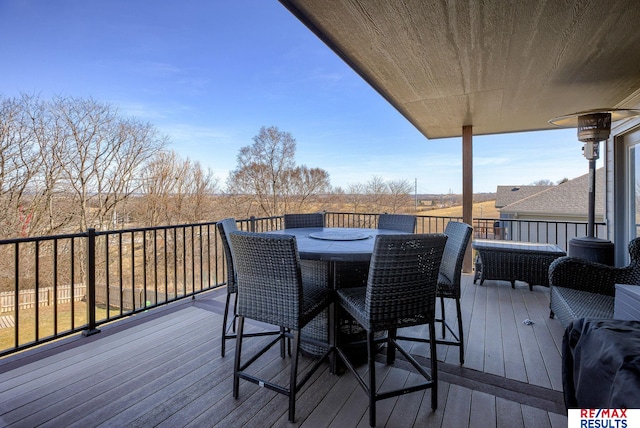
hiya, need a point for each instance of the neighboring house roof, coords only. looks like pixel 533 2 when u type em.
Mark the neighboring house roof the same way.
pixel 509 194
pixel 570 199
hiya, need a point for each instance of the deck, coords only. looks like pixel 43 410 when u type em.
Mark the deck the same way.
pixel 163 368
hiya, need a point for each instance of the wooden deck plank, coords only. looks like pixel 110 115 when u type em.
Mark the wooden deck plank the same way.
pixel 356 405
pixel 52 377
pixel 83 386
pixel 167 371
pixel 534 363
pixel 514 366
pixel 458 408
pixel 535 418
pixel 493 350
pixel 552 353
pixel 558 421
pixel 396 379
pixel 222 407
pixel 107 343
pixel 508 413
pixel 199 400
pixel 426 417
pixel 483 410
pixel 406 408
pixel 474 357
pixel 467 298
pixel 119 401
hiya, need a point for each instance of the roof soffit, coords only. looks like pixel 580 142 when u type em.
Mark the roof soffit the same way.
pixel 498 66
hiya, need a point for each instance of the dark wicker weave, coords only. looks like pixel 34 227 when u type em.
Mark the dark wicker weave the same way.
pixel 458 236
pixel 314 272
pixel 226 227
pixel 594 284
pixel 530 266
pixel 400 292
pixel 399 222
pixel 270 290
pixel 569 304
pixel 295 221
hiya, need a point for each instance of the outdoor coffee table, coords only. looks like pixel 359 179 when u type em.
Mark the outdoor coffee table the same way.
pixel 516 261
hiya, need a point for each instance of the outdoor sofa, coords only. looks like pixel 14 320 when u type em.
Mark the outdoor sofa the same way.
pixel 585 289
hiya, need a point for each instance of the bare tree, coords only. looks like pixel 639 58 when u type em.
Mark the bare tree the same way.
pixel 356 196
pixel 101 156
pixel 376 190
pixel 399 191
pixel 378 195
pixel 266 171
pixel 175 190
pixel 543 182
pixel 23 186
pixel 300 184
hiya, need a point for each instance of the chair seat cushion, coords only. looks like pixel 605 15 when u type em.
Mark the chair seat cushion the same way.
pixel 314 300
pixel 353 301
pixel 569 304
pixel 446 288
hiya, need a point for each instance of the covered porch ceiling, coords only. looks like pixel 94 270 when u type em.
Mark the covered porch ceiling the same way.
pixel 499 66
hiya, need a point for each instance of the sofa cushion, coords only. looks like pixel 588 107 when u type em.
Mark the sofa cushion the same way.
pixel 569 304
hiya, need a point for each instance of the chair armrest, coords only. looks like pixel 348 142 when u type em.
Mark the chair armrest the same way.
pixel 584 275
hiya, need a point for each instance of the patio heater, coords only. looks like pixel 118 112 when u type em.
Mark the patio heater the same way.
pixel 593 126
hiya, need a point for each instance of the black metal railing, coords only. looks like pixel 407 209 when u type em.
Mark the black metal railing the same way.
pixel 59 285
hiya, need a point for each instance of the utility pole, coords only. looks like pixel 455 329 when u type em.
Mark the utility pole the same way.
pixel 415 193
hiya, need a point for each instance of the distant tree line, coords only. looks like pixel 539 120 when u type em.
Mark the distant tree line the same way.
pixel 68 164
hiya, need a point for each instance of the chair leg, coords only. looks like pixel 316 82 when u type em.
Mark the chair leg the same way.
pixel 225 317
pixel 283 349
pixel 235 312
pixel 434 365
pixel 371 352
pixel 236 364
pixel 460 331
pixel 333 338
pixel 443 315
pixel 293 385
pixel 391 349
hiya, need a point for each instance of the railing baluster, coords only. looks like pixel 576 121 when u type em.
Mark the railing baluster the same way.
pixel 16 303
pixel 107 276
pixel 144 269
pixel 37 289
pixel 91 283
pixel 55 287
pixel 73 282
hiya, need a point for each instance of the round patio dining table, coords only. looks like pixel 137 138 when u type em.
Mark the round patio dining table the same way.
pixel 347 251
pixel 334 244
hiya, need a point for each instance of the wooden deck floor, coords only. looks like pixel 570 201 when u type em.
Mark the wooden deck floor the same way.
pixel 163 368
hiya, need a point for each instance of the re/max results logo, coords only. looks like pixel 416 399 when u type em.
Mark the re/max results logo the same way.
pixel 603 418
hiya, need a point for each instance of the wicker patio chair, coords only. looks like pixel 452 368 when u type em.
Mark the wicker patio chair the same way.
pixel 458 235
pixel 295 221
pixel 399 222
pixel 586 289
pixel 400 292
pixel 270 290
pixel 225 227
pixel 315 272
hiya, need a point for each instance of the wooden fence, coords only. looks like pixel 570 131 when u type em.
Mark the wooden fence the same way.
pixel 46 297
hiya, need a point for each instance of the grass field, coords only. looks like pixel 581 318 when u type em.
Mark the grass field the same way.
pixel 46 321
pixel 485 209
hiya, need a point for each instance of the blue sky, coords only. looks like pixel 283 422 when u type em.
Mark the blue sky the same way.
pixel 210 73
